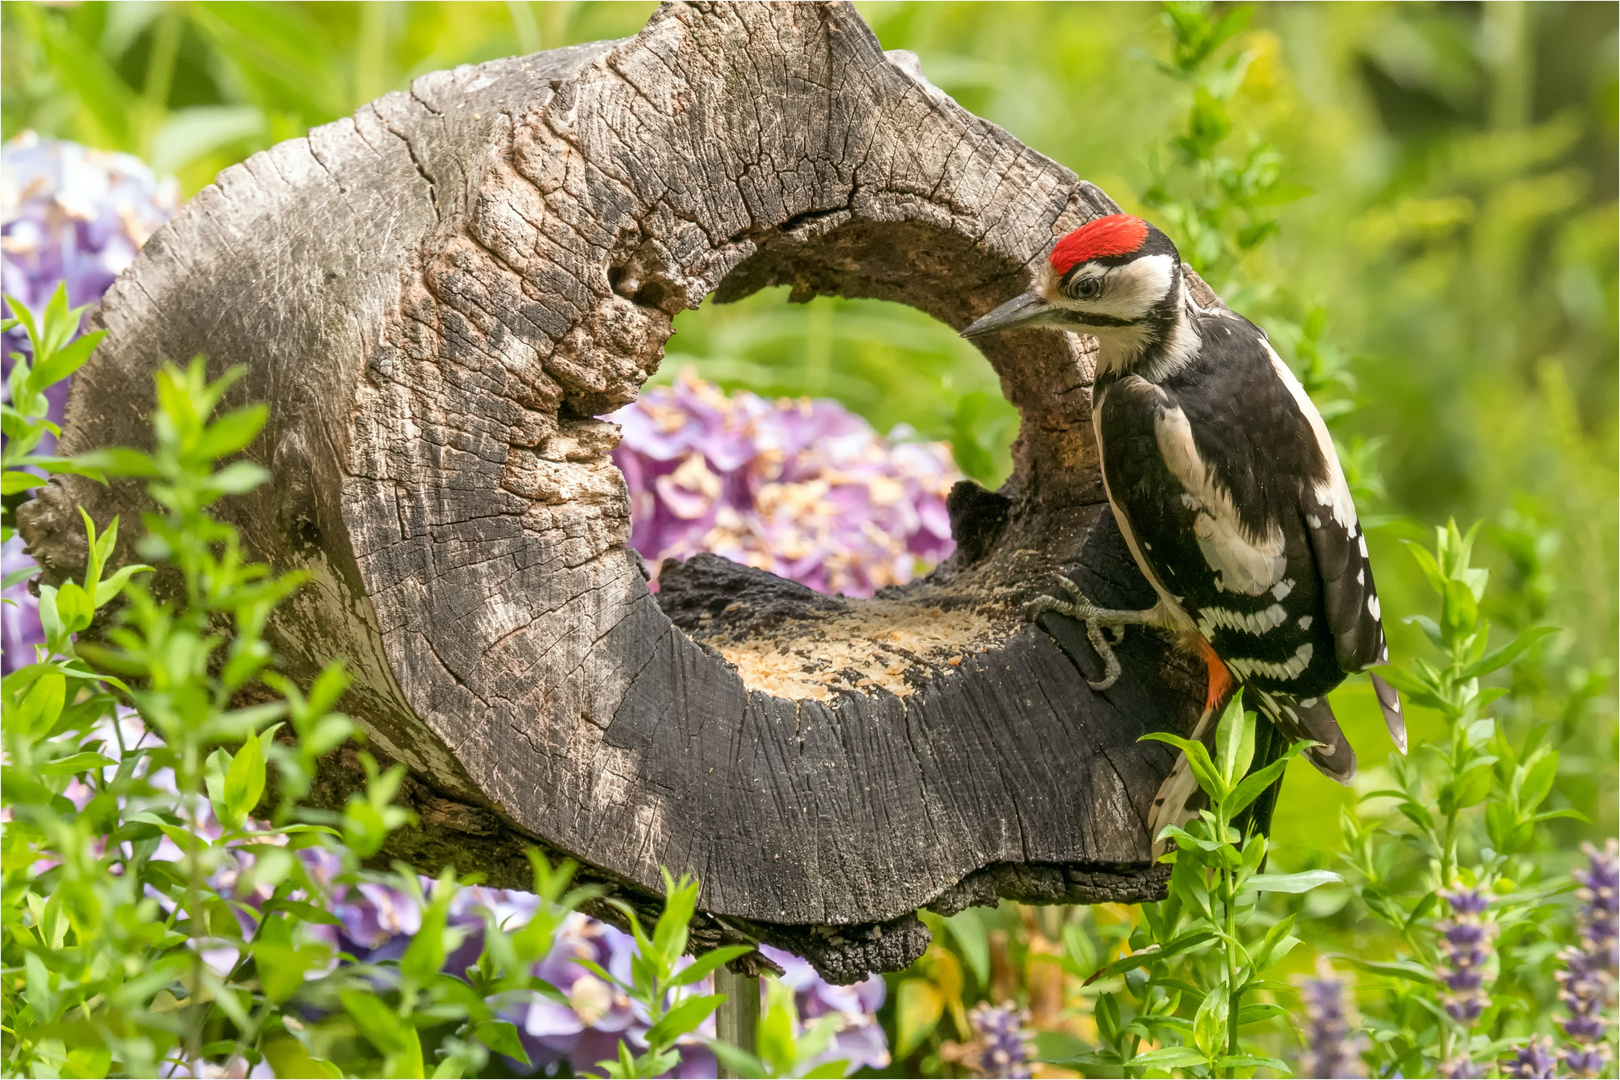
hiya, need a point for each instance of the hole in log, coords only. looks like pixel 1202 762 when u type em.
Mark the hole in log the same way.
pixel 510 276
pixel 782 482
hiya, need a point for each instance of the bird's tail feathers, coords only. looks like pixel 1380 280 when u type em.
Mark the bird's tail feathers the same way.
pixel 1390 702
pixel 1312 720
pixel 1179 798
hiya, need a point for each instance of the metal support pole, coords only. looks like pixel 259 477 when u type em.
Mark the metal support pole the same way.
pixel 737 1019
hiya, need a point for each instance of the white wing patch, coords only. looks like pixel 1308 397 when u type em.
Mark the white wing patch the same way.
pixel 1267 669
pixel 1335 493
pixel 1243 563
pixel 1258 622
pixel 1175 615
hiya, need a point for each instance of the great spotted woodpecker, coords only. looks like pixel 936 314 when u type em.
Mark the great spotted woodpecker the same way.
pixel 1226 486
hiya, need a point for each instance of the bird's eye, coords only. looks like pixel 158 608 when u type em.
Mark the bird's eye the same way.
pixel 1087 288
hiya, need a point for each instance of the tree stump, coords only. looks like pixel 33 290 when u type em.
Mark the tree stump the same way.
pixel 438 298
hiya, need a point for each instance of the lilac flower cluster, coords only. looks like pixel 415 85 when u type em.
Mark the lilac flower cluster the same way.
pixel 1533 1061
pixel 1333 1039
pixel 1586 985
pixel 804 489
pixel 377 923
pixel 1002 1043
pixel 1465 947
pixel 67 214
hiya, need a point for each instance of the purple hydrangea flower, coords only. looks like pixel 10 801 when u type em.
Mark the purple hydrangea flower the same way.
pixel 804 489
pixel 1333 1039
pixel 1586 985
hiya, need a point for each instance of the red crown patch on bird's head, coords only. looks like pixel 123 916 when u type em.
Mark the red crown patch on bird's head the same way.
pixel 1116 234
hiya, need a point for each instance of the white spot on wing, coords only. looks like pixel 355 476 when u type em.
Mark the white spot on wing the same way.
pixel 1283 588
pixel 1372 606
pixel 1304 622
pixel 1258 622
pixel 1243 562
pixel 1289 669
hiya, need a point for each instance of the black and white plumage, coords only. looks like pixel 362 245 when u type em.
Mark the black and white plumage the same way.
pixel 1225 483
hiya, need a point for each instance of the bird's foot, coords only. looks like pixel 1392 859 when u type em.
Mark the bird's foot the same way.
pixel 1078 606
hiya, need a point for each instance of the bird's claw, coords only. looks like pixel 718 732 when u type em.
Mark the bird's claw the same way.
pixel 1078 606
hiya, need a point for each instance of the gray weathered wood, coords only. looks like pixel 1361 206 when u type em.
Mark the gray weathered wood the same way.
pixel 439 295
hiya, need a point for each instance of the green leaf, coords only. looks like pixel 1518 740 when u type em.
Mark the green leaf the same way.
pixel 1275 944
pixel 301 911
pixel 1291 883
pixel 1248 1061
pixel 973 939
pixel 918 1007
pixel 1504 656
pixel 244 781
pixel 238 478
pixel 741 1062
pixel 119 461
pixel 40 708
pixel 1234 740
pixel 383 1027
pixel 1470 789
pixel 1255 784
pixel 701 967
pixel 77 763
pixel 669 934
pixel 1209 1023
pixel 111 587
pixel 1537 784
pixel 73 607
pixel 683 1019
pixel 15 481
pixel 1203 768
pixel 231 432
pixel 1152 954
pixel 1168 1057
pixel 1253 1014
pixel 501 1037
pixel 1400 969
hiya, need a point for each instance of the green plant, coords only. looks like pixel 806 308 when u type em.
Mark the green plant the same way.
pixel 778 1052
pixel 658 980
pixel 151 920
pixel 1206 947
pixel 1469 805
pixel 55 354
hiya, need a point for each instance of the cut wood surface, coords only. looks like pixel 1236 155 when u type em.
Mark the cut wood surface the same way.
pixel 438 298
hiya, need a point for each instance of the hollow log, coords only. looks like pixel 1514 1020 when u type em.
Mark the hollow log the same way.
pixel 440 296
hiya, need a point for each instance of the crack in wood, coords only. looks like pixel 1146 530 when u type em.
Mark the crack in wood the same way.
pixel 435 366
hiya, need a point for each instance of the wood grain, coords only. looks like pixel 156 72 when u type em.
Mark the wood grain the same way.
pixel 439 296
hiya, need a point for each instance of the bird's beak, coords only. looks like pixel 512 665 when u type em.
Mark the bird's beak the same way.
pixel 1029 309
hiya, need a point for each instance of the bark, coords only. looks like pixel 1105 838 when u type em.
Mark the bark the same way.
pixel 440 295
